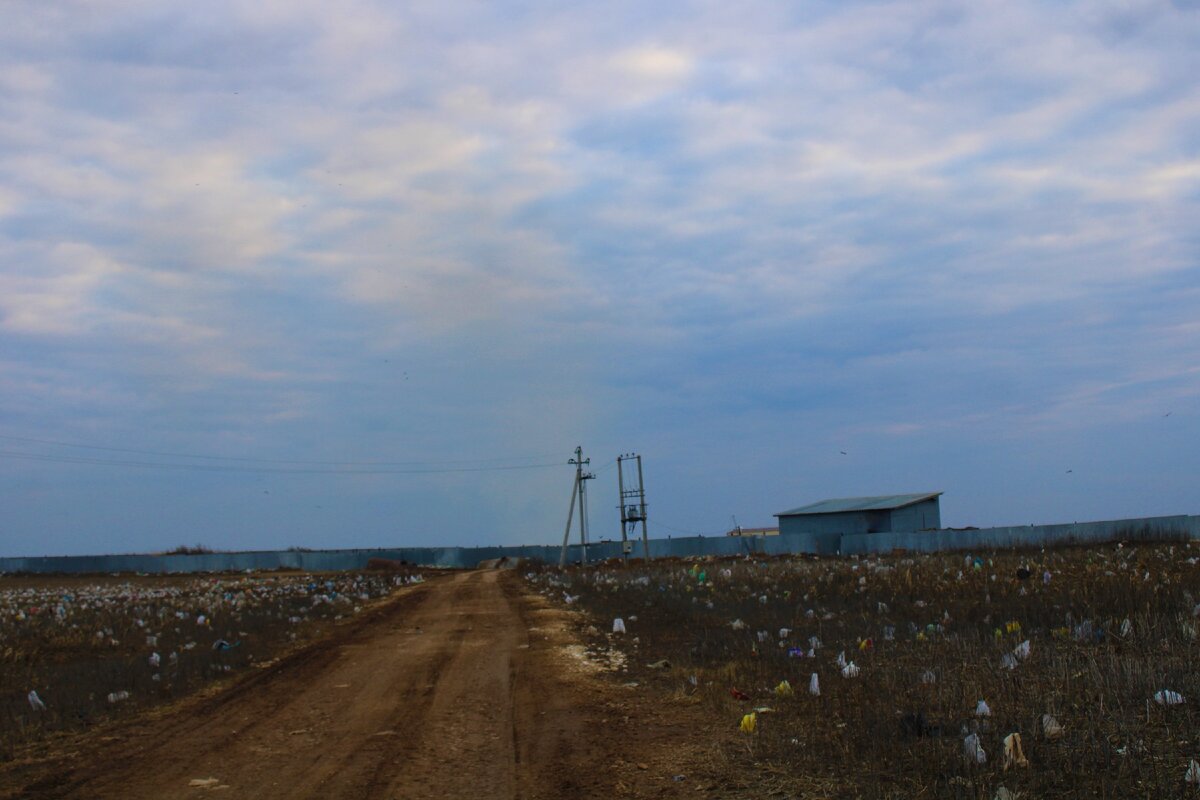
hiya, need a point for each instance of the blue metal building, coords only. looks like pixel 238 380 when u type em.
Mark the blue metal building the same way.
pixel 884 514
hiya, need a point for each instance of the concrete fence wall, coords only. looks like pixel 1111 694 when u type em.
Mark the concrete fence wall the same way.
pixel 1032 536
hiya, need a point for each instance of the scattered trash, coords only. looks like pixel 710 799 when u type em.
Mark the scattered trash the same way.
pixel 663 664
pixel 738 694
pixel 1193 772
pixel 35 702
pixel 1165 697
pixel 1051 727
pixel 1014 755
pixel 1004 794
pixel 117 697
pixel 737 625
pixel 155 659
pixel 749 722
pixel 1022 650
pixel 784 689
pixel 982 709
pixel 928 677
pixel 814 685
pixel 850 670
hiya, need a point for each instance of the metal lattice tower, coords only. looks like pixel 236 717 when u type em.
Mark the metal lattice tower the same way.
pixel 633 505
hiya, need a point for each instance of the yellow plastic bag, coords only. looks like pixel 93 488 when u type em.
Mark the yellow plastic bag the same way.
pixel 748 723
pixel 784 689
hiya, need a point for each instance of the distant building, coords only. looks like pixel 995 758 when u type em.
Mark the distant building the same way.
pixel 894 512
pixel 740 531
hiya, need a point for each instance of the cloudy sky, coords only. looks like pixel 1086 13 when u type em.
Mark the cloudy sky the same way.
pixel 285 273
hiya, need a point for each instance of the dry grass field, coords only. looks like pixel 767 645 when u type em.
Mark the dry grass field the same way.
pixel 926 666
pixel 75 651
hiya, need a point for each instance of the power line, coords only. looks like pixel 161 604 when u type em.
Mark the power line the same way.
pixel 167 454
pixel 267 470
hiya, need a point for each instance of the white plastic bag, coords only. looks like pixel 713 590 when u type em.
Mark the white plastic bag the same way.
pixel 982 709
pixel 618 625
pixel 851 670
pixel 973 750
pixel 35 702
pixel 1051 727
pixel 1165 697
pixel 814 685
pixel 1193 772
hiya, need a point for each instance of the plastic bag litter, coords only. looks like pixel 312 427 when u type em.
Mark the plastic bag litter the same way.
pixel 155 659
pixel 763 636
pixel 35 702
pixel 1051 727
pixel 618 625
pixel 928 677
pixel 737 625
pixel 1008 661
pixel 1022 650
pixel 1193 773
pixel 1165 697
pixel 663 664
pixel 1126 627
pixel 982 709
pixel 1003 793
pixel 749 722
pixel 1014 755
pixel 973 750
pixel 841 659
pixel 784 689
pixel 783 632
pixel 851 670
pixel 814 685
pixel 117 697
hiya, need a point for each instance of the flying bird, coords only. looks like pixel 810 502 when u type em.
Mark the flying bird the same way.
pixel 843 452
pixel 1070 471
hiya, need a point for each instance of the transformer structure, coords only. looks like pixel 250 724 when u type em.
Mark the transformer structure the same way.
pixel 633 504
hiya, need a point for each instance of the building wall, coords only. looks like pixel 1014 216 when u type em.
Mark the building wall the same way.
pixel 845 522
pixel 923 516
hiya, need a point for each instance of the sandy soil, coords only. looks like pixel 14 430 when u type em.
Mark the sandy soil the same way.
pixel 465 686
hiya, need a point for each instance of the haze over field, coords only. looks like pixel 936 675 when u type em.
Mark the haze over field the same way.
pixel 784 251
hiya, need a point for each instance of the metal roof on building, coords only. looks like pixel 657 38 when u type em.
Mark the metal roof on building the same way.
pixel 837 505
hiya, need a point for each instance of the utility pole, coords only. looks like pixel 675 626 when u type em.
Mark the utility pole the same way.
pixel 578 490
pixel 633 505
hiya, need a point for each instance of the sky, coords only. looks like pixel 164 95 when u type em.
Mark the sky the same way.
pixel 281 273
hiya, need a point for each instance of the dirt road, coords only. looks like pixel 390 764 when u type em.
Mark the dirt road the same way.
pixel 460 687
